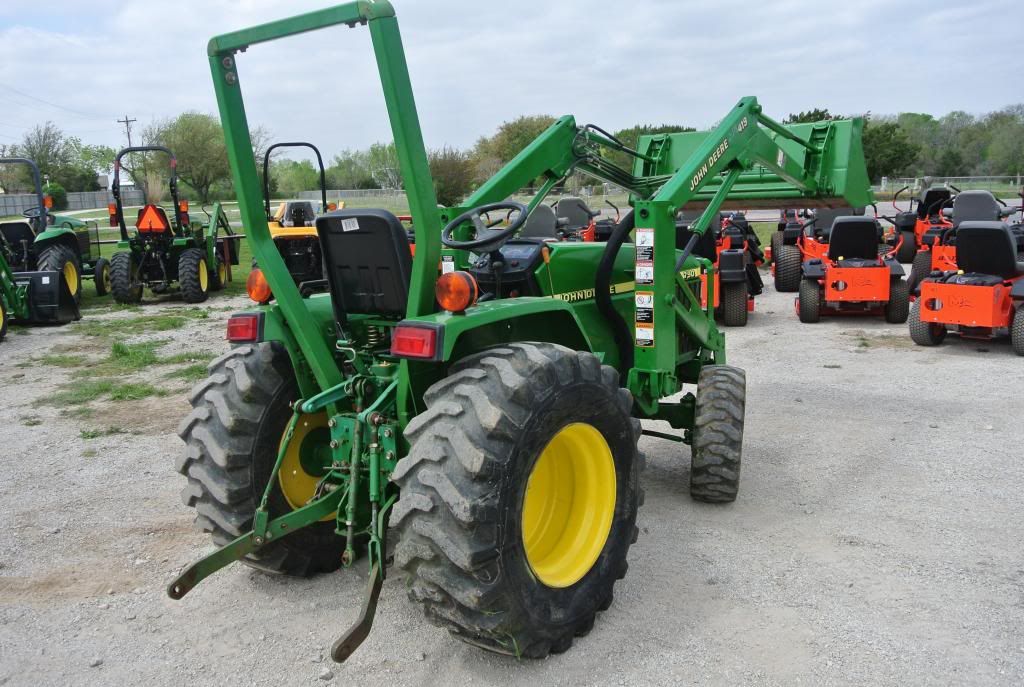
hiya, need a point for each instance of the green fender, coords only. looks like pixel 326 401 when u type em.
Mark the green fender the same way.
pixel 57 235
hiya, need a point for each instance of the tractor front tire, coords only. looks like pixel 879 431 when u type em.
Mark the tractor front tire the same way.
pixel 239 416
pixel 58 258
pixel 924 333
pixel 193 275
pixel 716 444
pixel 809 301
pixel 519 497
pixel 3 321
pixel 908 250
pixel 734 304
pixel 919 269
pixel 218 276
pixel 124 282
pixel 101 276
pixel 1017 331
pixel 788 269
pixel 897 308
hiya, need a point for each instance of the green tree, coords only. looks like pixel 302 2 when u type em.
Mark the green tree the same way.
pixel 197 141
pixel 512 137
pixel 452 171
pixel 382 162
pixel 816 115
pixel 293 176
pixel 350 169
pixel 887 150
pixel 65 160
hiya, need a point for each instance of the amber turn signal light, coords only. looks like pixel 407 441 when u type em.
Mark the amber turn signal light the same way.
pixel 456 291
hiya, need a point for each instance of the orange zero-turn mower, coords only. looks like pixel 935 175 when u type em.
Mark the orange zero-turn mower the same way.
pixel 913 224
pixel 852 277
pixel 981 299
pixel 937 252
pixel 734 249
pixel 804 238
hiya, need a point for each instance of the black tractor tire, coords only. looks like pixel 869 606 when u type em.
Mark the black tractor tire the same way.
pixel 924 333
pixel 193 275
pixel 58 258
pixel 920 268
pixel 101 277
pixel 908 250
pixel 1017 331
pixel 239 415
pixel 4 316
pixel 897 308
pixel 463 488
pixel 734 304
pixel 776 244
pixel 218 276
pixel 124 283
pixel 716 443
pixel 788 269
pixel 810 301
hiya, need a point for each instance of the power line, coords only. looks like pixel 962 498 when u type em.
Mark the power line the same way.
pixel 127 127
pixel 47 102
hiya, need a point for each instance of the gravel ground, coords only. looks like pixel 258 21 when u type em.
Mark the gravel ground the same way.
pixel 877 538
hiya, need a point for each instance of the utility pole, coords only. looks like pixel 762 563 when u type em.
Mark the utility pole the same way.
pixel 127 127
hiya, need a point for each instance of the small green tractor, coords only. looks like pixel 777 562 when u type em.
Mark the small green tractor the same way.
pixel 40 297
pixel 45 242
pixel 169 252
pixel 472 413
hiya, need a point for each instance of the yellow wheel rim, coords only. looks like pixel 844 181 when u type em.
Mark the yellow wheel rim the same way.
pixel 204 276
pixel 71 276
pixel 105 278
pixel 2 316
pixel 222 273
pixel 309 446
pixel 569 505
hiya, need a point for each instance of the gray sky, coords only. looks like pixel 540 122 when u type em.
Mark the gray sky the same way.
pixel 477 64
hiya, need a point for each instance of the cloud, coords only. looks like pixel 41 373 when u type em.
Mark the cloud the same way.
pixel 476 64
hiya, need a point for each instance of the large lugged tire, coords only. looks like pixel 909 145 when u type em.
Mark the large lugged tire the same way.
pixel 239 415
pixel 898 306
pixel 716 444
pixel 919 269
pixel 788 269
pixel 776 244
pixel 810 301
pixel 924 333
pixel 124 282
pixel 734 304
pixel 193 275
pixel 101 277
pixel 908 250
pixel 58 258
pixel 519 497
pixel 1017 331
pixel 3 321
pixel 218 276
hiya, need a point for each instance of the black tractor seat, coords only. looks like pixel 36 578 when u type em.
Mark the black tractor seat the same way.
pixel 975 206
pixel 987 248
pixel 368 262
pixel 854 238
pixel 576 213
pixel 931 200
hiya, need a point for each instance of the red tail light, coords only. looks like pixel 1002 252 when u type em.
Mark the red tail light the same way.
pixel 244 328
pixel 416 341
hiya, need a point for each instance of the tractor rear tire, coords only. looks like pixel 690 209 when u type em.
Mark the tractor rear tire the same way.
pixel 468 517
pixel 908 250
pixel 924 333
pixel 776 244
pixel 1017 331
pixel 193 275
pixel 734 304
pixel 716 445
pixel 810 301
pixel 101 276
pixel 919 269
pixel 788 269
pixel 58 258
pixel 124 282
pixel 239 415
pixel 3 321
pixel 897 308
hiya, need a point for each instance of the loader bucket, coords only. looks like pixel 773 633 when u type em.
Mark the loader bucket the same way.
pixel 48 297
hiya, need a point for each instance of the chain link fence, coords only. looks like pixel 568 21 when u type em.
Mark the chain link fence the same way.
pixel 997 184
pixel 15 204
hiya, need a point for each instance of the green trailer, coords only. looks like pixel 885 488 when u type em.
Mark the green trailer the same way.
pixel 472 413
pixel 45 241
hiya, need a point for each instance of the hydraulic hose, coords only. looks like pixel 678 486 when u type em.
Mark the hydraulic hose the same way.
pixel 603 297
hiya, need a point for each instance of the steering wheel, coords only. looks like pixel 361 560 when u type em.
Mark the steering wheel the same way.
pixel 32 213
pixel 486 239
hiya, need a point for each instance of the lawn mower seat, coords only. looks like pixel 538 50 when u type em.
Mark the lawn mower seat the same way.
pixel 854 238
pixel 368 262
pixel 576 211
pixel 826 217
pixel 932 199
pixel 975 206
pixel 300 215
pixel 541 224
pixel 987 248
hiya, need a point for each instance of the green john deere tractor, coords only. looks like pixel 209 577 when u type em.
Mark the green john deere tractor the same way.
pixel 474 411
pixel 169 252
pixel 47 242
